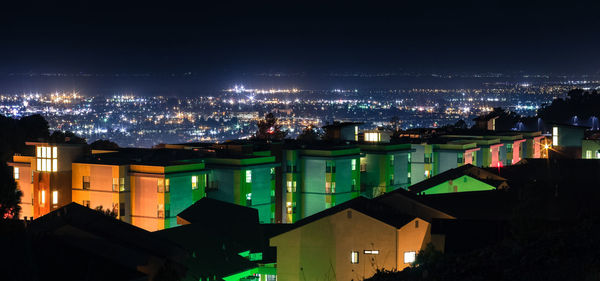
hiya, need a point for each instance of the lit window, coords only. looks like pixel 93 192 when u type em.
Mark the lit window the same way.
pixel 353 164
pixel 194 182
pixel 373 137
pixel 294 186
pixel 160 211
pixel 16 172
pixel 371 252
pixel 426 173
pixel 115 184
pixel 43 197
pixel 160 185
pixel 354 257
pixel 588 154
pixel 248 176
pixel 554 136
pixel 47 159
pixel 86 182
pixel 289 186
pixel 167 185
pixel 55 197
pixel 121 184
pixel 249 196
pixel 410 257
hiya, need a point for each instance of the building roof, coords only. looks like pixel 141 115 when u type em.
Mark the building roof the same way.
pixel 381 212
pixel 490 205
pixel 468 170
pixel 222 213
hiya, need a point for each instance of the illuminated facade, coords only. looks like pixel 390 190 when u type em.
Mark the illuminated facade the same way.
pixel 384 167
pixel 317 178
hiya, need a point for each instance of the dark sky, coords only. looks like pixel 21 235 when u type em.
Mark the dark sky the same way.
pixel 253 36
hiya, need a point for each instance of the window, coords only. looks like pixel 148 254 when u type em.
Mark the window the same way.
pixel 16 172
pixel 289 186
pixel 43 197
pixel 427 174
pixel 354 257
pixel 371 252
pixel 47 159
pixel 54 197
pixel 373 137
pixel 428 158
pixel 86 203
pixel 194 182
pixel 460 159
pixel 248 199
pixel 289 207
pixel 167 185
pixel 588 154
pixel 121 209
pixel 353 164
pixel 122 184
pixel 160 185
pixel 409 158
pixel 160 211
pixel 392 160
pixel 554 136
pixel 330 187
pixel 86 182
pixel 167 210
pixel 410 257
pixel 417 222
pixel 248 176
pixel 115 184
pixel 509 147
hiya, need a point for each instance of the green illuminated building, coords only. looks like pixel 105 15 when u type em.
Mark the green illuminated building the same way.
pixel 384 167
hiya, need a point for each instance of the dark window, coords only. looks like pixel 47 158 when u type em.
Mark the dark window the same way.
pixel 86 182
pixel 121 209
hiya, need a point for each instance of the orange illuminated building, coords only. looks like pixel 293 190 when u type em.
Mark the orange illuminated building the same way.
pixel 45 177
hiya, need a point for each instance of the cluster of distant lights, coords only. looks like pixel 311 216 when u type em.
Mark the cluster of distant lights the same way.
pixel 241 89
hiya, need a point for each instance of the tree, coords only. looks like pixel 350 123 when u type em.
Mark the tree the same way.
pixel 269 130
pixel 104 144
pixel 10 195
pixel 66 137
pixel 309 134
pixel 108 212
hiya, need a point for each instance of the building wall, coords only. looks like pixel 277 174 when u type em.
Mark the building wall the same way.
pixel 461 184
pixel 313 186
pixel 322 249
pixel 590 149
pixel 446 160
pixel 25 184
pixel 144 209
pixel 418 166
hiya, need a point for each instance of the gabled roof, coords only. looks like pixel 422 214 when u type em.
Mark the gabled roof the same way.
pixel 468 170
pixel 208 210
pixel 369 207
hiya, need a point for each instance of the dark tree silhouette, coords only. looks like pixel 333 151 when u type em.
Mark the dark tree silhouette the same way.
pixel 66 137
pixel 309 134
pixel 108 212
pixel 580 103
pixel 103 144
pixel 10 195
pixel 269 130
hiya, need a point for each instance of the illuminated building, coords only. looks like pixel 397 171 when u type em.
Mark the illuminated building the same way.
pixel 384 167
pixel 465 178
pixel 351 241
pixel 318 177
pixel 567 141
pixel 45 177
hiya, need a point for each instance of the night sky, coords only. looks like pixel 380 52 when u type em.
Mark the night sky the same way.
pixel 430 36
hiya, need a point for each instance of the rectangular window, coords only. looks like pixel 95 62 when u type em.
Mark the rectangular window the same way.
pixel 194 182
pixel 460 159
pixel 43 197
pixel 427 174
pixel 160 185
pixel 16 172
pixel 160 211
pixel 588 154
pixel 248 176
pixel 371 252
pixel 294 186
pixel 248 199
pixel 167 210
pixel 509 147
pixel 410 257
pixel 121 209
pixel 167 185
pixel 392 160
pixel 289 186
pixel 328 188
pixel 122 184
pixel 353 164
pixel 115 184
pixel 86 182
pixel 47 159
pixel 289 207
pixel 554 136
pixel 354 257
pixel 55 197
